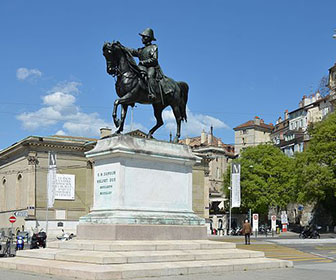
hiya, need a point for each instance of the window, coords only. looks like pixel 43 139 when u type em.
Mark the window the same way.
pixel 20 193
pixel 3 194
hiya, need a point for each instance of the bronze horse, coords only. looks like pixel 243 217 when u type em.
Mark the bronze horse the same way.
pixel 132 88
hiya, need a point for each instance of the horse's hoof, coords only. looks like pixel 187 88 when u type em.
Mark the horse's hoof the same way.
pixel 117 123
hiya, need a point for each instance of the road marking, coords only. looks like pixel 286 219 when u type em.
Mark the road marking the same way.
pixel 316 254
pixel 285 253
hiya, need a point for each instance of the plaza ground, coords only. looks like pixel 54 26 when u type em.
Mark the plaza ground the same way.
pixel 313 259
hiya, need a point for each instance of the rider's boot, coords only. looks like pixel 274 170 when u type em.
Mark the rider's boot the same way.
pixel 151 89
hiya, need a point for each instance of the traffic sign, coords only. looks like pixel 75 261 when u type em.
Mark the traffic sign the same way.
pixel 12 219
pixel 23 213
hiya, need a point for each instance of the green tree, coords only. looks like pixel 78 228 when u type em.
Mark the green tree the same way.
pixel 315 169
pixel 266 178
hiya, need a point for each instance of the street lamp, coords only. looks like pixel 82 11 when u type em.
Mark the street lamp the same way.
pixel 334 36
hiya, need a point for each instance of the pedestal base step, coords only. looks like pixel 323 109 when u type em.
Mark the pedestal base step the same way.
pixel 138 256
pixel 140 245
pixel 129 271
pixel 87 259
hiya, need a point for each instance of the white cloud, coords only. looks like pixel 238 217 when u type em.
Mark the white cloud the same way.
pixel 67 87
pixel 25 73
pixel 196 123
pixel 60 109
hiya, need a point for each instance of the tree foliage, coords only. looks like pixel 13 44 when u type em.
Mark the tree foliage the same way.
pixel 315 169
pixel 266 178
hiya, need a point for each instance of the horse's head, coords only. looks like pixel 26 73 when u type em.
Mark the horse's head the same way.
pixel 111 52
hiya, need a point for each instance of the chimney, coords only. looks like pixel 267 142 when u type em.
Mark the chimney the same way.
pixel 286 115
pixel 219 142
pixel 210 136
pixel 256 120
pixel 203 137
pixel 105 131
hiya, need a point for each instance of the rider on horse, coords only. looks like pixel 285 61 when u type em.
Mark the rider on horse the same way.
pixel 148 61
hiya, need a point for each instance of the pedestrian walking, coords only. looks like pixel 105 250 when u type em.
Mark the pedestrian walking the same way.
pixel 247 232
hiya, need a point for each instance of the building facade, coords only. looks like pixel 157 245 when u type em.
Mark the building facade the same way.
pixel 291 134
pixel 252 133
pixel 23 186
pixel 216 157
pixel 332 87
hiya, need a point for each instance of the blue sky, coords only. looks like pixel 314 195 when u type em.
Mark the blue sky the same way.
pixel 240 58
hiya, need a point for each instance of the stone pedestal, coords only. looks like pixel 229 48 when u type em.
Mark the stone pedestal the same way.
pixel 142 190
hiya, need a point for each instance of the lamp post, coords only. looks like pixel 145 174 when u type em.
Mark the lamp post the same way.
pixel 334 36
pixel 230 188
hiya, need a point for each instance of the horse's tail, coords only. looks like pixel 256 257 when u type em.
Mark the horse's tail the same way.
pixel 184 94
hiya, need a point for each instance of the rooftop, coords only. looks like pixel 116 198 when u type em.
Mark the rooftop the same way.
pixel 257 123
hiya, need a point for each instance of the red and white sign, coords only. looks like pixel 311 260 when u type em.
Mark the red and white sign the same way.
pixel 255 220
pixel 284 228
pixel 273 223
pixel 12 219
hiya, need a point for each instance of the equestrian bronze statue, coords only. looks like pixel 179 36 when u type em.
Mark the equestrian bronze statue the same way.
pixel 144 83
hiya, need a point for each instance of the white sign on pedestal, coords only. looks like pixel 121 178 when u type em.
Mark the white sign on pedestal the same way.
pixel 105 185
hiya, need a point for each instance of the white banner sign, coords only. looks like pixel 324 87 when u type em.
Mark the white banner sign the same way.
pixel 65 187
pixel 51 179
pixel 255 222
pixel 273 223
pixel 235 185
pixel 284 219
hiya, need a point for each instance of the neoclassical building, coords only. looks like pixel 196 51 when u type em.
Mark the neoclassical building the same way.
pixel 23 186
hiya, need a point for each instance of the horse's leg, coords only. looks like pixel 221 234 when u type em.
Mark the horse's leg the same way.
pixel 178 118
pixel 124 101
pixel 114 114
pixel 123 117
pixel 158 108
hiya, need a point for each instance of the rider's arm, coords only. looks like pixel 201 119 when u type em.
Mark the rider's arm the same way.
pixel 153 61
pixel 134 52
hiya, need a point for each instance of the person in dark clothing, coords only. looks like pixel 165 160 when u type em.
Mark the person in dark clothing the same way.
pixel 247 232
